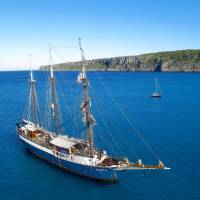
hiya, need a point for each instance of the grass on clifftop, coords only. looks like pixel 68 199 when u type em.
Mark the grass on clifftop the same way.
pixel 179 56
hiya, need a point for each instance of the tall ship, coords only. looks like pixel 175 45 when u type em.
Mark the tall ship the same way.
pixel 73 154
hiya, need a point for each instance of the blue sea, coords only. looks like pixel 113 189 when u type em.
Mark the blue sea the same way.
pixel 170 125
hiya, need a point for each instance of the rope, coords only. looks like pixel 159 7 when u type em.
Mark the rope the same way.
pixel 24 115
pixel 100 111
pixel 107 128
pixel 127 119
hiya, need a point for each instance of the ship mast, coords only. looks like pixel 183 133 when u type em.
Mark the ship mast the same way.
pixel 88 119
pixel 52 91
pixel 33 96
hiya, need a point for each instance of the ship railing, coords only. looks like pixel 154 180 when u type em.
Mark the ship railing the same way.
pixel 62 154
pixel 82 154
pixel 59 154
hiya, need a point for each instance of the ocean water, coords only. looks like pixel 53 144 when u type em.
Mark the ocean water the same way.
pixel 170 125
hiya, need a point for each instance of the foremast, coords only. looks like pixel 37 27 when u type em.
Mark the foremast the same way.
pixel 54 104
pixel 88 119
pixel 33 95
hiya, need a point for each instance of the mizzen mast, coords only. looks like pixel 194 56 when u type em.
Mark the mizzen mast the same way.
pixel 88 119
pixel 33 95
pixel 52 91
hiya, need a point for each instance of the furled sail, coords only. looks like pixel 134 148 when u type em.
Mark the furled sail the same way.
pixel 88 120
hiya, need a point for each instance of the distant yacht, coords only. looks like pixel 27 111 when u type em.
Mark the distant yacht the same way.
pixel 157 92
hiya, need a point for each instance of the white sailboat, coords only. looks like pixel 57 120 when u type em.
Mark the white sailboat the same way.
pixel 157 92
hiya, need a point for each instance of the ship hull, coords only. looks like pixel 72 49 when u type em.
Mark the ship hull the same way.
pixel 97 173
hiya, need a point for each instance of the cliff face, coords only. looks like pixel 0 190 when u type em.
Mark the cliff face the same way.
pixel 174 61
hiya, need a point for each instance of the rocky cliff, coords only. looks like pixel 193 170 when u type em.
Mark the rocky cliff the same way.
pixel 174 61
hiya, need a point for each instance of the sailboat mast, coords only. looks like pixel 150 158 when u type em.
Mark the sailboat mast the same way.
pixel 52 89
pixel 156 84
pixel 85 106
pixel 33 97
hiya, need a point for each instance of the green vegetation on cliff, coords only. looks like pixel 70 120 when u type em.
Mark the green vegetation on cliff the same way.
pixel 182 60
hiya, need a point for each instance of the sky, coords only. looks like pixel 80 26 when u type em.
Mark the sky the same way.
pixel 108 28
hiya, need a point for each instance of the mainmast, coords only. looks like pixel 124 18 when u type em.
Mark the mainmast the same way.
pixel 33 96
pixel 52 90
pixel 88 119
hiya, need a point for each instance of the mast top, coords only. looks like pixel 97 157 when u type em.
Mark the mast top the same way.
pixel 83 59
pixel 31 71
pixel 50 61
